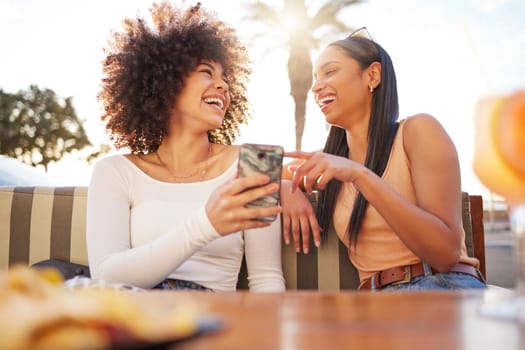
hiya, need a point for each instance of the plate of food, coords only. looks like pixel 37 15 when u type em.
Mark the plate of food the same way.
pixel 37 312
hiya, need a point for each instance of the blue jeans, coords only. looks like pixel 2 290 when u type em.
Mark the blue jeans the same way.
pixel 173 284
pixel 439 281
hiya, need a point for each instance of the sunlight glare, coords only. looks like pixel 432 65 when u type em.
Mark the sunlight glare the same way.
pixel 292 24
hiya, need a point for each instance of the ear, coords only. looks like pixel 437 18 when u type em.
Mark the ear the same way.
pixel 374 74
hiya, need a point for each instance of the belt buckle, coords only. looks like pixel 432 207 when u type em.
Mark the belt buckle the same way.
pixel 406 279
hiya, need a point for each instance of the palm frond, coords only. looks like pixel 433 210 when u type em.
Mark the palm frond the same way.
pixel 327 14
pixel 258 11
pixel 336 27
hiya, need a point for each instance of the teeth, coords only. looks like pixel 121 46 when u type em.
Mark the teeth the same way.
pixel 324 100
pixel 215 100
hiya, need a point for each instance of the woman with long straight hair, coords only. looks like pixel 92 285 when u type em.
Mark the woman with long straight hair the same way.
pixel 389 188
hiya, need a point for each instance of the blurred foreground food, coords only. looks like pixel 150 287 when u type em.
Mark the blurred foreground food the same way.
pixel 37 312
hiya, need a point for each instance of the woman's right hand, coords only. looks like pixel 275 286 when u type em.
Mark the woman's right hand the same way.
pixel 299 218
pixel 226 207
pixel 319 168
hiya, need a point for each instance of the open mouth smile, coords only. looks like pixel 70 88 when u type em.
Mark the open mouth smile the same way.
pixel 216 101
pixel 325 100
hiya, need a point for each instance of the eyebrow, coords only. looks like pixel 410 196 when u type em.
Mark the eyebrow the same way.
pixel 207 64
pixel 329 62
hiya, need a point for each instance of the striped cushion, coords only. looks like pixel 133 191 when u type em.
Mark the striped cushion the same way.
pixel 40 223
pixel 326 269
pixel 467 226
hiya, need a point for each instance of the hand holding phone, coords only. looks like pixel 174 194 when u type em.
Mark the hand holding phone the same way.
pixel 262 159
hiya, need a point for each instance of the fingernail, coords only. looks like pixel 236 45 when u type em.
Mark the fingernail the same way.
pixel 287 242
pixel 305 250
pixel 317 244
pixel 297 250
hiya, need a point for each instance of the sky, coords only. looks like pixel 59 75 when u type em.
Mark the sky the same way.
pixel 447 55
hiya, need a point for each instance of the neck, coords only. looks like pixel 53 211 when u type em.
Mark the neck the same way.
pixel 358 145
pixel 186 163
pixel 182 154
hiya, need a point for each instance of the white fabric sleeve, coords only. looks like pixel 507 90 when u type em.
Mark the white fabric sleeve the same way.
pixel 110 255
pixel 262 248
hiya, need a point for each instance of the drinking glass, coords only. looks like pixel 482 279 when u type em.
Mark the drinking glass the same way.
pixel 498 162
pixel 517 224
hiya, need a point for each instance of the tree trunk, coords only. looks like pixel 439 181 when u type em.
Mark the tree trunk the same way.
pixel 300 120
pixel 300 75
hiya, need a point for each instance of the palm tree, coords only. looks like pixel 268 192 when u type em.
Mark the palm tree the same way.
pixel 296 29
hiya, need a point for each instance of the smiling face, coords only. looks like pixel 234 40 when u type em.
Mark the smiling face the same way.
pixel 204 98
pixel 341 87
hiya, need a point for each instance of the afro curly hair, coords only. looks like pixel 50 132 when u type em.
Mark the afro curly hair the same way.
pixel 146 66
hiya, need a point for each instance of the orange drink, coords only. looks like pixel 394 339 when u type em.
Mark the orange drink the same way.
pixel 499 162
pixel 499 158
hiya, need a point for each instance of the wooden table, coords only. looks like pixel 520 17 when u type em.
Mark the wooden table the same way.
pixel 349 320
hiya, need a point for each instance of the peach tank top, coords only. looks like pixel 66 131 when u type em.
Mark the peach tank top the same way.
pixel 378 246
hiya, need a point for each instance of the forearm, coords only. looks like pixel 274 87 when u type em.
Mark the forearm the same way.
pixel 263 258
pixel 425 234
pixel 146 265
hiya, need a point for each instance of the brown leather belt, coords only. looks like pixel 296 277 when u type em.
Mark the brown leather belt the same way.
pixel 404 274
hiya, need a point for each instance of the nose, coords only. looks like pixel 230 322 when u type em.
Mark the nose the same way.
pixel 317 86
pixel 222 85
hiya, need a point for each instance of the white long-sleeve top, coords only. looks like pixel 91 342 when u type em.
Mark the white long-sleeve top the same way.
pixel 141 231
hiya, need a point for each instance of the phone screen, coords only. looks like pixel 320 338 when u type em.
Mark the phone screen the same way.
pixel 262 159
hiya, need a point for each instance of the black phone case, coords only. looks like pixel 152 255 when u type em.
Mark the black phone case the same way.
pixel 262 159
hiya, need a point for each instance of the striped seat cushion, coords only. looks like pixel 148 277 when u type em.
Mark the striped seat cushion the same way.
pixel 41 223
pixel 326 269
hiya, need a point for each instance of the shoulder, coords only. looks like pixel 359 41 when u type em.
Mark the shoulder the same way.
pixel 114 160
pixel 421 121
pixel 113 164
pixel 424 132
pixel 420 127
pixel 111 171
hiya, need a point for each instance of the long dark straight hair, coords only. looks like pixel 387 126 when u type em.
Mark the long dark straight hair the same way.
pixel 382 128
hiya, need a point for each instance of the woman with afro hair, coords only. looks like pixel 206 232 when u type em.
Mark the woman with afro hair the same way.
pixel 169 212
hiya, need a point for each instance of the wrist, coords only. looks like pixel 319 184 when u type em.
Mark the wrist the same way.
pixel 360 177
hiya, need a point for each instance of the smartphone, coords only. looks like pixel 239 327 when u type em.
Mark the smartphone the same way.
pixel 262 159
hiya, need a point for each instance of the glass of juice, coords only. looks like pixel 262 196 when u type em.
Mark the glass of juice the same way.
pixel 499 162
